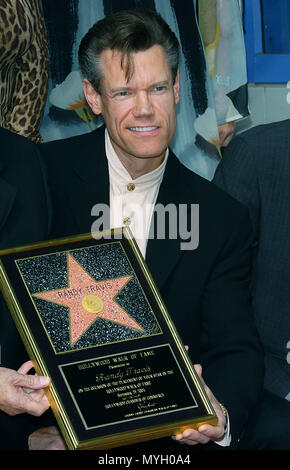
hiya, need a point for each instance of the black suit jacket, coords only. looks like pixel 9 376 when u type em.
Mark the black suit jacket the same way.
pixel 205 290
pixel 255 169
pixel 24 218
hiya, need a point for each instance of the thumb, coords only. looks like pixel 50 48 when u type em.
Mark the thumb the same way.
pixel 32 381
pixel 198 369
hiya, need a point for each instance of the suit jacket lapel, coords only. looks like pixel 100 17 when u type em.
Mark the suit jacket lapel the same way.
pixel 163 254
pixel 91 180
pixel 92 185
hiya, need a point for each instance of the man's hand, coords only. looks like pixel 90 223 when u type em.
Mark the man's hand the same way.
pixel 46 439
pixel 22 393
pixel 205 432
pixel 226 132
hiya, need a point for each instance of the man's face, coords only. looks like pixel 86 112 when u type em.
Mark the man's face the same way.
pixel 140 114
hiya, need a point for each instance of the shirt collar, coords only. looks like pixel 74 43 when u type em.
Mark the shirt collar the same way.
pixel 117 169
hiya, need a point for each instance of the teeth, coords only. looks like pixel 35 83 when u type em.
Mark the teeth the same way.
pixel 142 129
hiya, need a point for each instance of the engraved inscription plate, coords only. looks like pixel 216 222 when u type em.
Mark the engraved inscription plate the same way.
pixel 136 384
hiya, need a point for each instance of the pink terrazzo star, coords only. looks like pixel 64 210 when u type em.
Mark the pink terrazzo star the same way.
pixel 84 295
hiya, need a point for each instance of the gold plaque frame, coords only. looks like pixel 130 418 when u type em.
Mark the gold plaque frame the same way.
pixel 129 359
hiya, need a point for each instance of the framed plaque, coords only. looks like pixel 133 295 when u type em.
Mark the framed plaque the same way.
pixel 92 319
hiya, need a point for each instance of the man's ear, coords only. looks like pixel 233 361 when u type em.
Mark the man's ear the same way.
pixel 176 87
pixel 92 96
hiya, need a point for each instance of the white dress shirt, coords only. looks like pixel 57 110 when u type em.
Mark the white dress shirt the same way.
pixel 132 201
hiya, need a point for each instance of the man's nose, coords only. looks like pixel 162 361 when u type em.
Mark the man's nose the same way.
pixel 143 105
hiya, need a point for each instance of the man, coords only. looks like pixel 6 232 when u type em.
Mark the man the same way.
pixel 130 66
pixel 24 218
pixel 255 169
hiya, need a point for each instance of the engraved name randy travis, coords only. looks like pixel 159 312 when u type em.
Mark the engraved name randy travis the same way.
pixel 80 291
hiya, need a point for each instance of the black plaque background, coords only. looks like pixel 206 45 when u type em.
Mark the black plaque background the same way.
pixel 53 361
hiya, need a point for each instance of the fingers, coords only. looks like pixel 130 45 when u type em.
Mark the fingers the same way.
pixel 214 433
pixel 226 132
pixel 26 367
pixel 31 381
pixel 14 388
pixel 227 141
pixel 34 405
pixel 36 395
pixel 20 403
pixel 191 437
pixel 202 435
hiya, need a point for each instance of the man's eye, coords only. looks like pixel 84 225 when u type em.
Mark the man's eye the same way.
pixel 122 94
pixel 158 89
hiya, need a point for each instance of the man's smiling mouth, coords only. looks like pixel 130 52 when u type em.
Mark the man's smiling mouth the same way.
pixel 143 129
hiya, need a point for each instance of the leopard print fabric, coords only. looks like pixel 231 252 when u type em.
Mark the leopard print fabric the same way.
pixel 24 67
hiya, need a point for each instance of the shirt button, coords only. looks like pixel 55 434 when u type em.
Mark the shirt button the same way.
pixel 130 187
pixel 126 221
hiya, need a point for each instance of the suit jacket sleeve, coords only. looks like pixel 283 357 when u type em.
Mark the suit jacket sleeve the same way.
pixel 236 174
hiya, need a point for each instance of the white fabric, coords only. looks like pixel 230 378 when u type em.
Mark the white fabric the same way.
pixel 226 440
pixel 136 206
